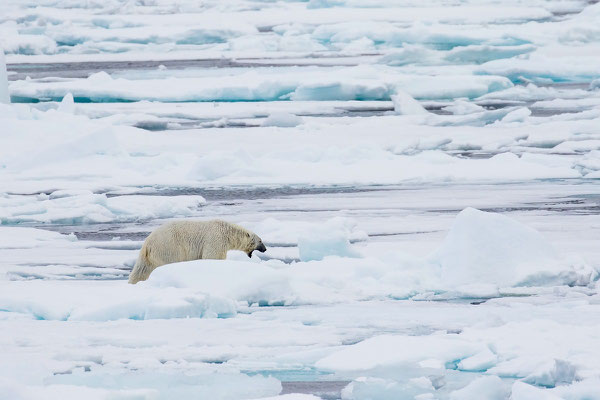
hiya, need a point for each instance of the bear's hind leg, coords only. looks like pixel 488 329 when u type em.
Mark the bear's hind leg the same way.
pixel 141 270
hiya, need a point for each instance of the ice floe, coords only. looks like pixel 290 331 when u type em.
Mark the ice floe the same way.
pixel 88 207
pixel 343 83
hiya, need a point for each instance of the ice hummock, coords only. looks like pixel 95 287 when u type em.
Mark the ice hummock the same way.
pixel 484 247
pixel 330 239
pixel 282 119
pixel 405 104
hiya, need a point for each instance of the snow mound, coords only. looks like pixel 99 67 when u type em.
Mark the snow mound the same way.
pixel 484 247
pixel 243 281
pixel 329 239
pixel 405 104
pixel 283 120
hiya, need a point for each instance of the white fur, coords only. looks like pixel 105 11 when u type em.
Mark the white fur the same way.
pixel 191 240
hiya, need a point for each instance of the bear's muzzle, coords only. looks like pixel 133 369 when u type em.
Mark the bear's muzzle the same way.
pixel 261 247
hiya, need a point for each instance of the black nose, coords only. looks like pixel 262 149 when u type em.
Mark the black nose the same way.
pixel 261 248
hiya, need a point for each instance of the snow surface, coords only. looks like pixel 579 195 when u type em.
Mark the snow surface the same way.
pixel 424 175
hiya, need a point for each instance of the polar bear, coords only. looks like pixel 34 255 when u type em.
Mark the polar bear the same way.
pixel 192 240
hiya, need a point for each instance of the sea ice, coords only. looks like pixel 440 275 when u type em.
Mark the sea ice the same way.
pixel 346 290
pixel 4 95
pixel 67 105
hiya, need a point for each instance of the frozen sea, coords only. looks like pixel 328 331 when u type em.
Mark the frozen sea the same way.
pixel 424 174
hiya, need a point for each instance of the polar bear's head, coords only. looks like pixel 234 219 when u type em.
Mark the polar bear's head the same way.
pixel 253 242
